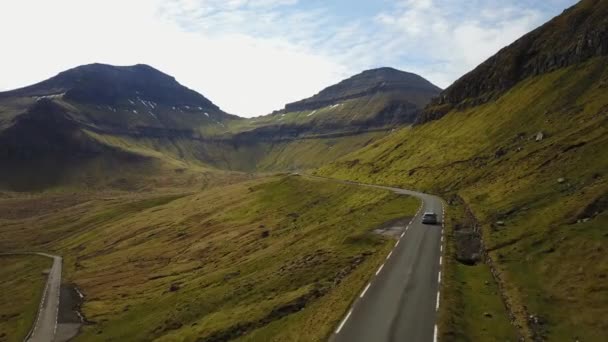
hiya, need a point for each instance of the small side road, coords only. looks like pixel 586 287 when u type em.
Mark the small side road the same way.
pixel 45 325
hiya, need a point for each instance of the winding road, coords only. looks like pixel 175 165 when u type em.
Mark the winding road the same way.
pixel 398 304
pixel 401 300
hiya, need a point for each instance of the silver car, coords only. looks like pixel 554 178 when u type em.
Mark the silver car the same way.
pixel 429 217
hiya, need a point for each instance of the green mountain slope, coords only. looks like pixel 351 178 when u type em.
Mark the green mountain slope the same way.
pixel 575 36
pixel 531 162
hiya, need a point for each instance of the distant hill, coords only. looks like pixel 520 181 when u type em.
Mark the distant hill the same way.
pixel 102 84
pixel 136 115
pixel 376 98
pixel 64 124
pixel 126 99
pixel 413 89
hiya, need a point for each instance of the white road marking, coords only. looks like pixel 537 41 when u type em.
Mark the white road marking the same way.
pixel 344 321
pixel 365 290
pixel 389 254
pixel 437 301
pixel 435 334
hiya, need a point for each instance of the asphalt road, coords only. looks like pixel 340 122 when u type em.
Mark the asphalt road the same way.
pixel 401 300
pixel 45 325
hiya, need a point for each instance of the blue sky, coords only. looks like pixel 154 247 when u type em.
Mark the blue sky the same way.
pixel 253 56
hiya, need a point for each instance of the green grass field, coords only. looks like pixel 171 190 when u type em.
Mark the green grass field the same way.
pixel 278 259
pixel 250 156
pixel 471 306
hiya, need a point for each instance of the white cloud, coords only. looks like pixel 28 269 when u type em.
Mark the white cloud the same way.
pixel 453 37
pixel 243 74
pixel 253 56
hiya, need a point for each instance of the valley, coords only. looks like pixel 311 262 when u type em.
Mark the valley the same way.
pixel 187 265
pixel 178 221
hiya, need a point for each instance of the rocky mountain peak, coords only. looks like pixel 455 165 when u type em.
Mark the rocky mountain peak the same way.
pixel 102 84
pixel 367 83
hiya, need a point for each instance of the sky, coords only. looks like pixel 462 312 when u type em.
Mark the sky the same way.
pixel 251 57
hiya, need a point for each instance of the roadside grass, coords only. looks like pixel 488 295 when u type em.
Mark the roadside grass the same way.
pixel 469 294
pixel 243 260
pixel 21 289
pixel 489 155
pixel 248 156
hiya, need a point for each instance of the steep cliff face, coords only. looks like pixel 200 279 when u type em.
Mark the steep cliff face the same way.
pixel 579 34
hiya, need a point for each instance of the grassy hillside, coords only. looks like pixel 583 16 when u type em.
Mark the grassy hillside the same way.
pixel 541 204
pixel 20 292
pixel 35 157
pixel 573 37
pixel 246 156
pixel 275 259
pixel 374 110
pixel 471 306
pixel 111 171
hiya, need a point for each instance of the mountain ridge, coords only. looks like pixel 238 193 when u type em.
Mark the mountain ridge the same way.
pixel 578 34
pixel 104 84
pixel 366 83
pixel 103 111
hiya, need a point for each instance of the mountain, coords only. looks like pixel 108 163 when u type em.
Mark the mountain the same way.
pixel 78 119
pixel 411 87
pixel 132 115
pixel 338 120
pixel 375 98
pixel 517 147
pixel 579 34
pixel 109 85
pixel 123 99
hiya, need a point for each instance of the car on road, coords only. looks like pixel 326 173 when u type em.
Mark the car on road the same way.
pixel 429 217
